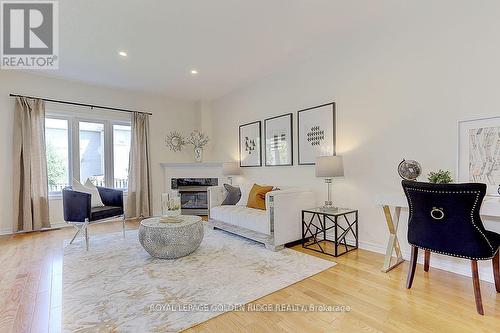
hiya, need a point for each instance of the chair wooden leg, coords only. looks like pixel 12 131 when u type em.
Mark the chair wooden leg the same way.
pixel 477 287
pixel 496 270
pixel 413 266
pixel 427 259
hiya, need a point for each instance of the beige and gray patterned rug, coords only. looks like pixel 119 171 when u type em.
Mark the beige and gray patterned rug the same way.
pixel 116 286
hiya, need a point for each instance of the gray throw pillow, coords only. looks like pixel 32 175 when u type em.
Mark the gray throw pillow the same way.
pixel 233 195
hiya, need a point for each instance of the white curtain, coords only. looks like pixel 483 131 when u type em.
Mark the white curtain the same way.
pixel 31 204
pixel 139 197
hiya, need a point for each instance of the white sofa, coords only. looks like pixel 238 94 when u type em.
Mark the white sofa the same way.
pixel 276 226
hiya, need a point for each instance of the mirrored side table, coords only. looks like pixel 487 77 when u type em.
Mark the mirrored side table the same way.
pixel 332 231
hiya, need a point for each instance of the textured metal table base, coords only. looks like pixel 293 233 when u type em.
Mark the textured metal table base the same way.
pixel 171 241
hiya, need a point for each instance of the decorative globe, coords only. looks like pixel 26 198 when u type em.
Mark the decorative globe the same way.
pixel 409 170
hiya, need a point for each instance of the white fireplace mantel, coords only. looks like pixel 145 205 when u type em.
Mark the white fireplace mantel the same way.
pixel 192 165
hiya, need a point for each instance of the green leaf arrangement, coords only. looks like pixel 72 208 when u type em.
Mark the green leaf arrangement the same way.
pixel 440 177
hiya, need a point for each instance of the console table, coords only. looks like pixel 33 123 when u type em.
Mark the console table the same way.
pixel 392 205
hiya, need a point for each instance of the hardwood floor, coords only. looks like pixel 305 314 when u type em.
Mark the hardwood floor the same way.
pixel 31 294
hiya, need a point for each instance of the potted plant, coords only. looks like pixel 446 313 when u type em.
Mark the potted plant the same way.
pixel 440 177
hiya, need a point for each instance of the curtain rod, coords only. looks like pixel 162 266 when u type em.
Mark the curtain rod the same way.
pixel 80 104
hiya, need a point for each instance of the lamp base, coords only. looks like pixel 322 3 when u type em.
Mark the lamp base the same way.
pixel 328 207
pixel 328 202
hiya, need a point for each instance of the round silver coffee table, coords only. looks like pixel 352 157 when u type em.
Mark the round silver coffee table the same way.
pixel 171 240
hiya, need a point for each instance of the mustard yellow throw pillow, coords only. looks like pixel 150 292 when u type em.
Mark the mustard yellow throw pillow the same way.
pixel 257 196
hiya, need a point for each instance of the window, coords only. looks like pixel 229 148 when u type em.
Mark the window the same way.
pixel 92 153
pixel 56 141
pixel 121 151
pixel 95 149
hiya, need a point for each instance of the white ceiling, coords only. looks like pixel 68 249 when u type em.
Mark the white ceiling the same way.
pixel 230 42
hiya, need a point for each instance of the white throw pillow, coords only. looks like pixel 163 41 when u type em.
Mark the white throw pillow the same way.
pixel 95 200
pixel 245 189
pixel 95 197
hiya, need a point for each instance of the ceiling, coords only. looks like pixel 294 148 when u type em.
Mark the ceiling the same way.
pixel 230 42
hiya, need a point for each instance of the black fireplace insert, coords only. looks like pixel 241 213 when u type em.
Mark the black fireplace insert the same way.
pixel 193 192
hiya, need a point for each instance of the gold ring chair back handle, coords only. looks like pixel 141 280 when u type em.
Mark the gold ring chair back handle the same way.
pixel 437 213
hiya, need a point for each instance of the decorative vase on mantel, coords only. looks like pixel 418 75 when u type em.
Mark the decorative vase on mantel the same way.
pixel 198 154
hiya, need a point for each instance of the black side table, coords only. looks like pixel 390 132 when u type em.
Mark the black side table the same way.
pixel 327 229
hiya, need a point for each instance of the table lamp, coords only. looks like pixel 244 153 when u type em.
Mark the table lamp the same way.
pixel 329 167
pixel 231 169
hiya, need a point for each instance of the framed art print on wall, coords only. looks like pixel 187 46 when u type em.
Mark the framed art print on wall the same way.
pixel 316 132
pixel 278 140
pixel 250 147
pixel 479 152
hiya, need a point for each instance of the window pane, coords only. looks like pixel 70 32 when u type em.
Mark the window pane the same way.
pixel 92 153
pixel 121 150
pixel 56 145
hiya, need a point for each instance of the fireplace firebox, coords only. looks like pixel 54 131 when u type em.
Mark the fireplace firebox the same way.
pixel 193 192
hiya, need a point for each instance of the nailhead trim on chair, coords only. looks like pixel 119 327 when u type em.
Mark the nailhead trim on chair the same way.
pixel 455 255
pixel 410 204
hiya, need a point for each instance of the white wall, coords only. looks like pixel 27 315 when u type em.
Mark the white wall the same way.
pixel 400 88
pixel 167 115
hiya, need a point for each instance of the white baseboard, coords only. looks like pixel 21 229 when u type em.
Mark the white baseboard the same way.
pixel 10 231
pixel 447 263
pixel 59 225
pixel 6 231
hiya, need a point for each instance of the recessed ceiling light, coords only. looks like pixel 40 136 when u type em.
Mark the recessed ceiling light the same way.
pixel 194 72
pixel 122 53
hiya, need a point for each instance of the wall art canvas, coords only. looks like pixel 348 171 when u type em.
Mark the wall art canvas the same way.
pixel 250 146
pixel 316 128
pixel 279 140
pixel 479 152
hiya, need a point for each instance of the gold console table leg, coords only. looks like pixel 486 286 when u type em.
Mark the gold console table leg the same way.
pixel 393 245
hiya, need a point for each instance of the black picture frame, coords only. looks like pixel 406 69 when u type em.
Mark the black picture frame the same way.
pixel 290 115
pixel 258 144
pixel 333 130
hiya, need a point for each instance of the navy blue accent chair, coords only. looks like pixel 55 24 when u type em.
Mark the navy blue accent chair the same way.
pixel 444 218
pixel 79 213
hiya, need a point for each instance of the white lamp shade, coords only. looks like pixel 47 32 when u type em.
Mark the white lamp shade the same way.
pixel 231 169
pixel 329 166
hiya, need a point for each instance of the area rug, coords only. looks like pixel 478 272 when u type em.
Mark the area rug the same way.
pixel 116 286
